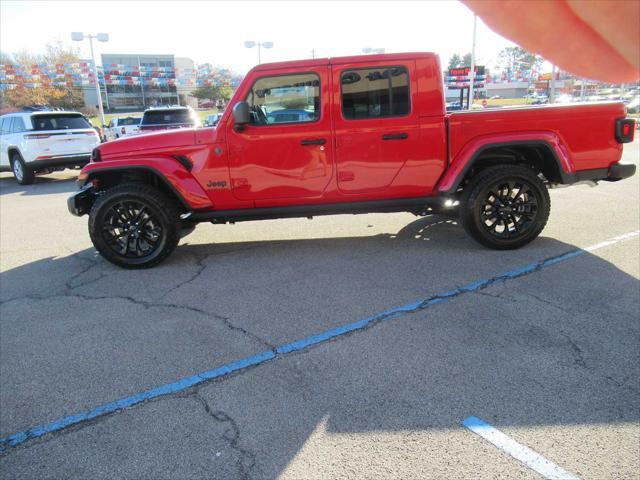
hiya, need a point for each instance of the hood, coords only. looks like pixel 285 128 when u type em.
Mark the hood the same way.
pixel 151 141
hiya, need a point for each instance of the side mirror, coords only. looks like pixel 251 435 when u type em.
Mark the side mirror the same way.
pixel 241 115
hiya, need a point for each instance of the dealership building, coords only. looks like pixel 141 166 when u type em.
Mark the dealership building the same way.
pixel 138 81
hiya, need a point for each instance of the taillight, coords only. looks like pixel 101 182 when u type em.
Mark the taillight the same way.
pixel 95 155
pixel 625 128
pixel 36 136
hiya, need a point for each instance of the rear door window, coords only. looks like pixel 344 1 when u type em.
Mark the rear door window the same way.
pixel 56 121
pixel 8 124
pixel 18 125
pixel 375 92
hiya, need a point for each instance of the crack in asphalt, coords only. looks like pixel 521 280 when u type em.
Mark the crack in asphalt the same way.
pixel 550 303
pixel 92 264
pixel 247 459
pixel 70 292
pixel 578 356
pixel 201 267
pixel 298 346
pixel 576 351
pixel 147 305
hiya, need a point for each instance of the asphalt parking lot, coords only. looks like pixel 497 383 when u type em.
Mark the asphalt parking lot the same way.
pixel 550 356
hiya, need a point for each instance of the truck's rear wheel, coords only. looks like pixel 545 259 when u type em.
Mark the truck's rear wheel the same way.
pixel 505 207
pixel 134 226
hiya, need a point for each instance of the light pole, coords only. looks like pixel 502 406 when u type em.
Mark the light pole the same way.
pixel 251 44
pixel 102 37
pixel 472 71
pixel 372 50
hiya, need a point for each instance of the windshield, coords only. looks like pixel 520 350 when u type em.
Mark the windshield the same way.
pixel 57 121
pixel 166 117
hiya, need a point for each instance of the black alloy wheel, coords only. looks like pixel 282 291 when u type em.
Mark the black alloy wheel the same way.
pixel 505 207
pixel 509 209
pixel 131 229
pixel 134 225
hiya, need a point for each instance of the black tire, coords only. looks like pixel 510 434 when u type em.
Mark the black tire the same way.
pixel 23 174
pixel 134 225
pixel 505 207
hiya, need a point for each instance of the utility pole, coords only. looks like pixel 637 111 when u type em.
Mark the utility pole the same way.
pixel 472 72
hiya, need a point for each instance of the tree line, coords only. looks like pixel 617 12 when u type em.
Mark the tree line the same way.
pixel 510 60
pixel 58 97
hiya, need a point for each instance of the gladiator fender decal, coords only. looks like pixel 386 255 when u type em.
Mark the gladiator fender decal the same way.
pixel 168 170
pixel 472 149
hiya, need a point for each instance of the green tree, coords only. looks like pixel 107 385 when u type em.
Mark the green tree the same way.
pixel 59 97
pixel 5 59
pixel 457 60
pixel 454 61
pixel 514 58
pixel 67 98
pixel 57 52
pixel 213 93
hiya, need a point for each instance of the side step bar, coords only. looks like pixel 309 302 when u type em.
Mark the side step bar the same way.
pixel 421 205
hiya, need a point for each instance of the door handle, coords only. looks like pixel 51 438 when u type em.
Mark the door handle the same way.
pixel 313 141
pixel 395 136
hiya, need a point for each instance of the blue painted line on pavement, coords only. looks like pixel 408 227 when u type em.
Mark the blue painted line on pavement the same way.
pixel 169 388
pixel 301 344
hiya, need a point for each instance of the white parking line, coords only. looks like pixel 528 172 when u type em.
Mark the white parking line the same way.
pixel 531 459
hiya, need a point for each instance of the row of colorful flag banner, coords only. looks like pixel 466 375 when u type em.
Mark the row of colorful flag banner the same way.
pixel 81 74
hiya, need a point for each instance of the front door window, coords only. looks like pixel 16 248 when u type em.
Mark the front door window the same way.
pixel 285 99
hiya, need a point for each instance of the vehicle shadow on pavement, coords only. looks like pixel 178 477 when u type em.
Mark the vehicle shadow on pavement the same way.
pixel 552 356
pixel 43 185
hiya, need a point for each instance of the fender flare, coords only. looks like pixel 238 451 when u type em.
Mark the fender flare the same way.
pixel 472 150
pixel 175 177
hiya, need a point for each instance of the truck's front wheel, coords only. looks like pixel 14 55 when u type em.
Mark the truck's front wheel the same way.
pixel 134 226
pixel 505 207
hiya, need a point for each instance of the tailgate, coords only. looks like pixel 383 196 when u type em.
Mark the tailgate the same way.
pixel 51 143
pixel 61 133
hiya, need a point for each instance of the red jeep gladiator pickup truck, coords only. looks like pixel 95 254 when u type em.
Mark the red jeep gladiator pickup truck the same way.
pixel 346 135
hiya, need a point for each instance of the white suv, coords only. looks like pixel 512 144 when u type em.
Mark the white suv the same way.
pixel 44 141
pixel 122 127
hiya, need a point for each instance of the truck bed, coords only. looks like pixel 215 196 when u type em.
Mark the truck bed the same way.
pixel 584 132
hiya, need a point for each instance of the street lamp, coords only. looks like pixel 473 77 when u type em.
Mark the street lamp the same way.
pixel 372 50
pixel 472 69
pixel 251 44
pixel 101 37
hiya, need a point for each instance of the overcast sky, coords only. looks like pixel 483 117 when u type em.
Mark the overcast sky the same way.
pixel 215 31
